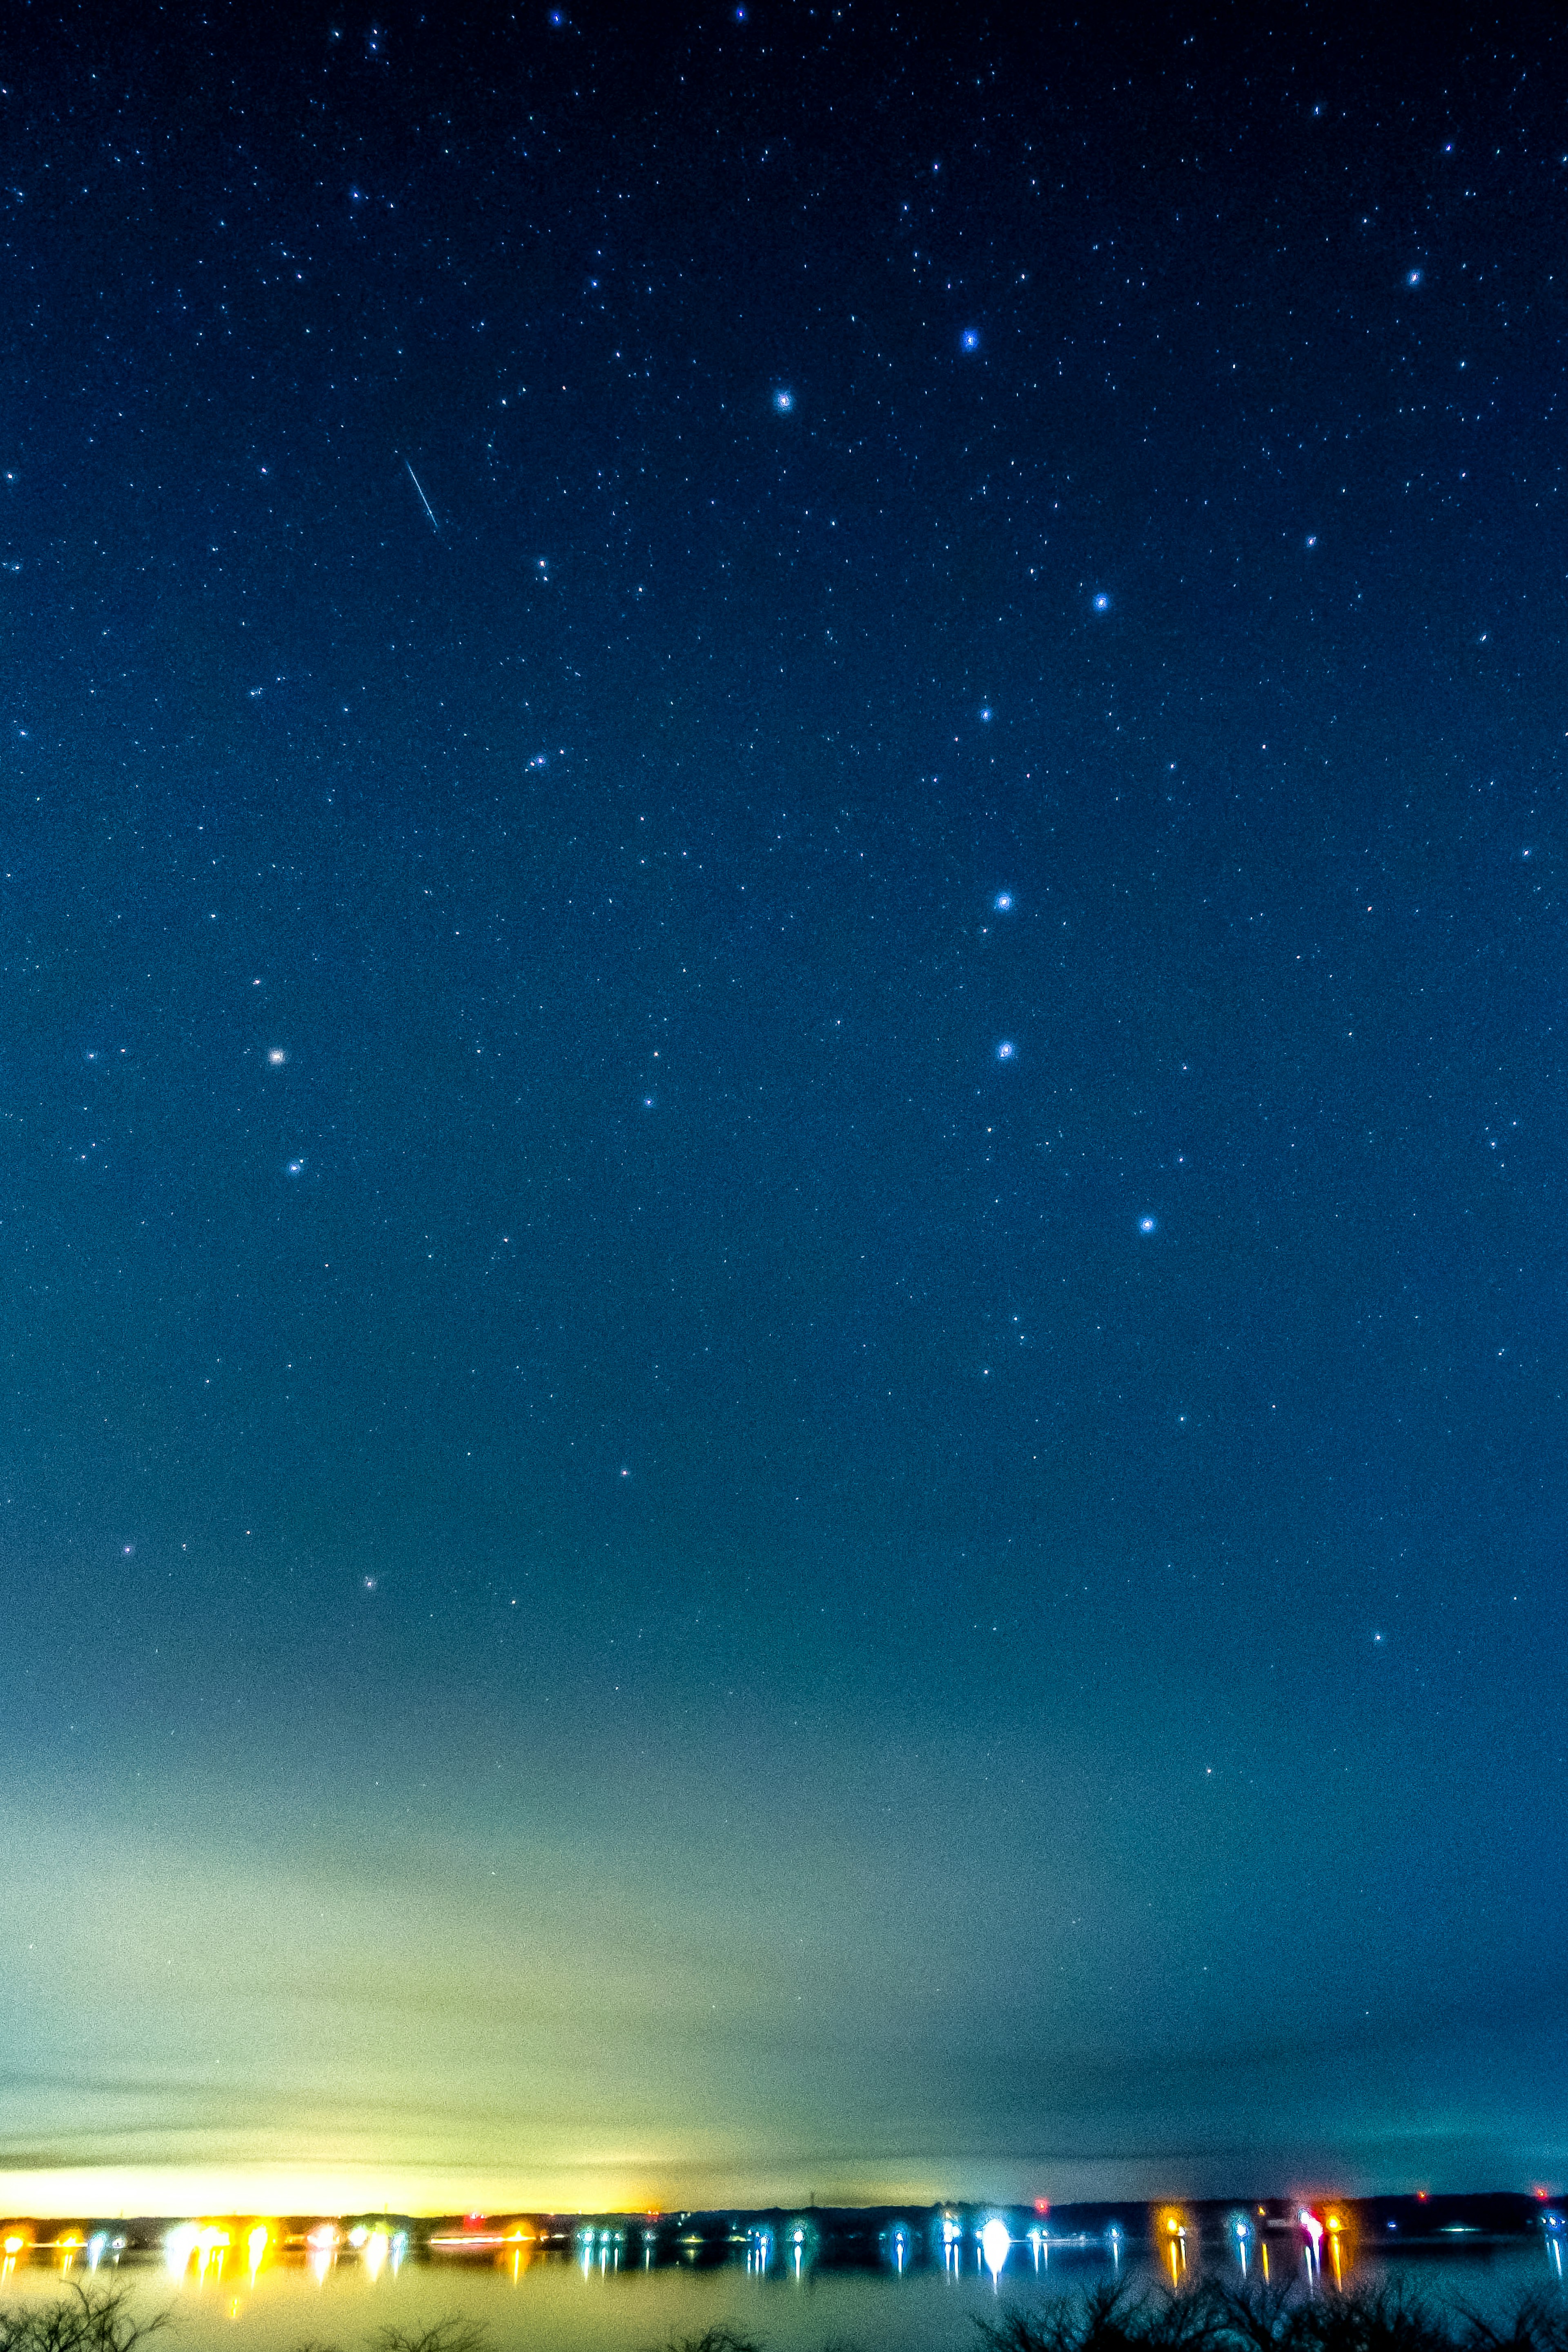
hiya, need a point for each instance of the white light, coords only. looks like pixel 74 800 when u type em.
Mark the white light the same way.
pixel 179 2246
pixel 996 2240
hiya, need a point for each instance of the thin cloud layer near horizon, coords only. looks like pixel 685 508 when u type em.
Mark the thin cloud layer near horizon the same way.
pixel 783 1075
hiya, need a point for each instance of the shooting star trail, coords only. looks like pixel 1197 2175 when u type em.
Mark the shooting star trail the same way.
pixel 424 500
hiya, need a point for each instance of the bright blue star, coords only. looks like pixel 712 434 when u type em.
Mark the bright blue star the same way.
pixel 986 713
pixel 783 400
pixel 1414 277
pixel 1002 902
pixel 1006 1051
pixel 1147 1225
pixel 1102 602
pixel 970 339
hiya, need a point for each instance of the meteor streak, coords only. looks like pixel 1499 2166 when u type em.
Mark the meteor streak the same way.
pixel 424 500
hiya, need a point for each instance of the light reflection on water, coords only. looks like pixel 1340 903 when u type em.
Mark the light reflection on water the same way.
pixel 602 2297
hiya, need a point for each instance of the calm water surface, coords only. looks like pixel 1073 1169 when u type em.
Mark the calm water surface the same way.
pixel 550 2305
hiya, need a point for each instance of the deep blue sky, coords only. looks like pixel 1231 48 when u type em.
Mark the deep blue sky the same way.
pixel 783 1222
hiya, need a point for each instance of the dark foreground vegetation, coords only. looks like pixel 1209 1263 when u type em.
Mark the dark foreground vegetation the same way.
pixel 83 2319
pixel 1211 2318
pixel 1208 2318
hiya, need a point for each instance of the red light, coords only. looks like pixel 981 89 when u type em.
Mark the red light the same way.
pixel 1421 2197
pixel 1043 2204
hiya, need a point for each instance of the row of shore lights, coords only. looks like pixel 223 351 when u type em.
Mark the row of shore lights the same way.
pixel 1172 2232
pixel 205 2246
pixel 93 2249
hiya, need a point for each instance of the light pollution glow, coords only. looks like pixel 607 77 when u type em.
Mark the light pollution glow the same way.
pixel 263 2019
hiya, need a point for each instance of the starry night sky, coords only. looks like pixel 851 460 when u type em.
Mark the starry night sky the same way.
pixel 783 1212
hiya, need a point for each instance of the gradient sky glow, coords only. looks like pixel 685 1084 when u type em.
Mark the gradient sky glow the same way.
pixel 783 1209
